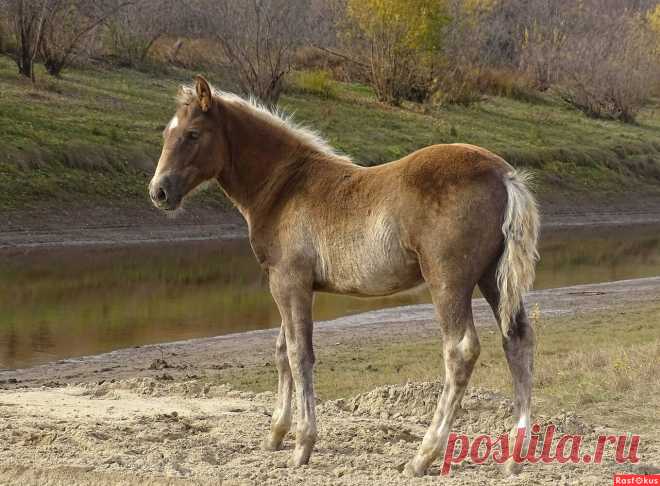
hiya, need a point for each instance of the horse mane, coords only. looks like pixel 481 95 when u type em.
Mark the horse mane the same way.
pixel 275 117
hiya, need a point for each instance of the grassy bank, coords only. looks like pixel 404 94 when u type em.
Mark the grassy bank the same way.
pixel 603 365
pixel 93 135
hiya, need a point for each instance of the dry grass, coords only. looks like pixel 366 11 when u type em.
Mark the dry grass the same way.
pixel 601 364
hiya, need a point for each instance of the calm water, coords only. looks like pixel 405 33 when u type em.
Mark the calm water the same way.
pixel 60 303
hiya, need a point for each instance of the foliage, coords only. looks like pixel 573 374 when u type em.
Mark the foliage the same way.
pixel 70 25
pixel 654 26
pixel 402 39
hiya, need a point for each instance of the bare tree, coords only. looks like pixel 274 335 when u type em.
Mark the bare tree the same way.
pixel 258 38
pixel 136 28
pixel 3 28
pixel 26 21
pixel 68 26
pixel 54 29
pixel 608 68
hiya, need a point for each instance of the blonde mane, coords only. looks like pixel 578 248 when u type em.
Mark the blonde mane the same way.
pixel 273 116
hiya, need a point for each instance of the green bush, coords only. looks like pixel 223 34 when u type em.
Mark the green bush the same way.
pixel 318 82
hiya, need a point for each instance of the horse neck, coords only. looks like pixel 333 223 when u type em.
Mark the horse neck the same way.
pixel 263 159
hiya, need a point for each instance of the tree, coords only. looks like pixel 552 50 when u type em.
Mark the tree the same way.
pixel 54 29
pixel 653 18
pixel 69 24
pixel 135 29
pixel 26 21
pixel 403 39
pixel 609 66
pixel 258 38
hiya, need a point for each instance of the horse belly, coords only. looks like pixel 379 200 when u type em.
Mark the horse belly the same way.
pixel 366 262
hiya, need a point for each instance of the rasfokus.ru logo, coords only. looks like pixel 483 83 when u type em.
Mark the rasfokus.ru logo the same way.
pixel 637 479
pixel 553 448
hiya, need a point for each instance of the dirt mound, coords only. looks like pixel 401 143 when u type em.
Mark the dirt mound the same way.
pixel 164 386
pixel 483 412
pixel 417 402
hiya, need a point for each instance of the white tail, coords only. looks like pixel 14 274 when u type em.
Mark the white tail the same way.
pixel 516 269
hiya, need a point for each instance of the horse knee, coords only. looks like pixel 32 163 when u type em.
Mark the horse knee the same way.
pixel 522 332
pixel 281 357
pixel 521 342
pixel 301 359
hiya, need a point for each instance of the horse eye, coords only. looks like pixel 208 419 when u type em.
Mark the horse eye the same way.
pixel 193 135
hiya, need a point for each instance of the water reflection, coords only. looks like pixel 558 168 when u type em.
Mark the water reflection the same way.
pixel 69 302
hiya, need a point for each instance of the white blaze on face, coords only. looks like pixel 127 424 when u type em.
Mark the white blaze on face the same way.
pixel 174 122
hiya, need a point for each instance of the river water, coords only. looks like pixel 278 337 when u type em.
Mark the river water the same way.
pixel 66 302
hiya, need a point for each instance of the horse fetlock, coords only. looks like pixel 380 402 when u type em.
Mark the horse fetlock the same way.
pixel 302 453
pixel 512 468
pixel 306 434
pixel 273 442
pixel 281 422
pixel 416 467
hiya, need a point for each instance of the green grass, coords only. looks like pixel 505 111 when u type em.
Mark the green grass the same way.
pixel 94 134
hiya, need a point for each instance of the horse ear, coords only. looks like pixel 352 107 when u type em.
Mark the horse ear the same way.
pixel 204 95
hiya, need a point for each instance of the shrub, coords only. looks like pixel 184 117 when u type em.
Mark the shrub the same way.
pixel 507 83
pixel 189 53
pixel 610 72
pixel 317 81
pixel 401 40
pixel 340 65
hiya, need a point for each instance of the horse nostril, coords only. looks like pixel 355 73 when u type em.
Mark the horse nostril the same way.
pixel 161 195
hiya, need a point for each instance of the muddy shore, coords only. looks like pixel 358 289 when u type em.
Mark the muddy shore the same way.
pixel 42 228
pixel 254 348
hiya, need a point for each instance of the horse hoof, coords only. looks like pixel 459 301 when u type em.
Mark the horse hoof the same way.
pixel 300 457
pixel 269 444
pixel 512 468
pixel 412 471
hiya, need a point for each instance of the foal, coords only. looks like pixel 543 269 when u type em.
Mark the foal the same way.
pixel 451 216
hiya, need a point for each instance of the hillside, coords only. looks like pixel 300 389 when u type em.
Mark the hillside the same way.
pixel 93 136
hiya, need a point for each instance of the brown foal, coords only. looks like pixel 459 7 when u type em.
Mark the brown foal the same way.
pixel 450 216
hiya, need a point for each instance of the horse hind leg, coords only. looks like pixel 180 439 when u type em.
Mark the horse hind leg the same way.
pixel 461 350
pixel 519 351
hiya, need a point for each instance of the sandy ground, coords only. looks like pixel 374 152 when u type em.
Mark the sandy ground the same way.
pixel 112 419
pixel 143 431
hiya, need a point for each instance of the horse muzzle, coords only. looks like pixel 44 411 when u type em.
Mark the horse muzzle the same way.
pixel 166 191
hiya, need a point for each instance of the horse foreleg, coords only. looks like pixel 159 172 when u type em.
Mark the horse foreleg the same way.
pixel 281 422
pixel 294 300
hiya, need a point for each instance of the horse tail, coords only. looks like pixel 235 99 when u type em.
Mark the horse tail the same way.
pixel 516 268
